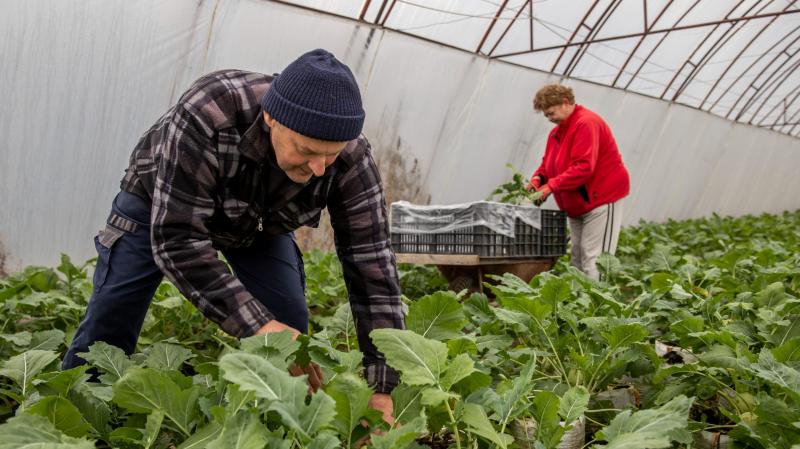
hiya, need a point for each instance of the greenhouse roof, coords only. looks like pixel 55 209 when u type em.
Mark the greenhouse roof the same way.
pixel 734 58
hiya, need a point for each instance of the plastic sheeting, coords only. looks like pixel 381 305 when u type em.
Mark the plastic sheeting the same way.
pixel 734 58
pixel 501 218
pixel 84 79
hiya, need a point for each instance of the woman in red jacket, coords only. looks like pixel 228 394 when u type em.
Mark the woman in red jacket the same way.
pixel 582 168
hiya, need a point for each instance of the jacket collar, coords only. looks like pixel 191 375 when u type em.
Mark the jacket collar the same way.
pixel 256 143
pixel 561 128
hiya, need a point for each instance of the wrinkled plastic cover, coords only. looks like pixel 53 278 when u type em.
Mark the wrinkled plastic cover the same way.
pixel 407 218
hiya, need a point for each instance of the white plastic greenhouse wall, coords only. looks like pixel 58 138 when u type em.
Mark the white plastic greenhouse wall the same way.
pixel 82 80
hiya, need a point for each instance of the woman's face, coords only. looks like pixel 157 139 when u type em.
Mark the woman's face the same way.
pixel 559 113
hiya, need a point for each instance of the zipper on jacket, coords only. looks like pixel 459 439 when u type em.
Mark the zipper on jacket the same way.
pixel 260 225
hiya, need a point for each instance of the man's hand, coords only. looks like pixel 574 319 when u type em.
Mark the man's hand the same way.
pixel 541 195
pixel 314 372
pixel 277 326
pixel 383 403
pixel 534 183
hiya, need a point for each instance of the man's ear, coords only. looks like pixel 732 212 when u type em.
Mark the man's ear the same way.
pixel 269 120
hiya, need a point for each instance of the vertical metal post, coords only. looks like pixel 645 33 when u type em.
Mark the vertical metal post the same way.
pixel 530 13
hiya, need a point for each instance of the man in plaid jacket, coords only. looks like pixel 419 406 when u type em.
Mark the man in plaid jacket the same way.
pixel 241 161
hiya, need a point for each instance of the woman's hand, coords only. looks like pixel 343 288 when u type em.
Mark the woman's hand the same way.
pixel 534 183
pixel 541 195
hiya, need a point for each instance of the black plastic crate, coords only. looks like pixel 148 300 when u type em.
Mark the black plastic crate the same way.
pixel 554 233
pixel 483 241
pixel 478 240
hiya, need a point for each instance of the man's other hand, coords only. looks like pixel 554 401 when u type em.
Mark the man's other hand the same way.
pixel 383 403
pixel 314 372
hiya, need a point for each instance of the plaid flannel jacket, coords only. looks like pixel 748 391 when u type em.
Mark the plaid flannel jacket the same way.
pixel 205 166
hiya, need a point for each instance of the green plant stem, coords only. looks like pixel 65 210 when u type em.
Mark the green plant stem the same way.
pixel 453 422
pixel 730 401
pixel 555 353
pixel 590 385
pixel 223 343
pixel 593 420
pixel 721 391
pixel 720 426
pixel 294 440
pixel 577 339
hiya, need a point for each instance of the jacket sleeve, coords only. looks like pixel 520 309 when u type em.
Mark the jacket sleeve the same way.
pixel 361 230
pixel 583 158
pixel 182 203
pixel 540 172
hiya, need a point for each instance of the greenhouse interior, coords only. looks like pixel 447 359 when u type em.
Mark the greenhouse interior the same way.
pixel 391 224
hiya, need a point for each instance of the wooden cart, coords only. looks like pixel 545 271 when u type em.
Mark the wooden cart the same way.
pixel 468 271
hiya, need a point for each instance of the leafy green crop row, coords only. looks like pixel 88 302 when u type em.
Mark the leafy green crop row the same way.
pixel 531 366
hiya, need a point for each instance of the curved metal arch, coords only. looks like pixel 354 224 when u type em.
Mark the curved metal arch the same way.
pixel 688 60
pixel 574 33
pixel 794 124
pixel 380 12
pixel 663 37
pixel 775 85
pixel 722 41
pixel 787 104
pixel 648 28
pixel 756 98
pixel 753 83
pixel 386 17
pixel 594 30
pixel 491 25
pixel 658 31
pixel 510 24
pixel 753 64
pixel 739 55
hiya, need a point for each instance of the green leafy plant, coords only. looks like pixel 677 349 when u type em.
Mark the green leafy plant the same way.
pixel 529 367
pixel 514 191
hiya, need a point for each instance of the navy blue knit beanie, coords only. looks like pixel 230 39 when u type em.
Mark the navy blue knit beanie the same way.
pixel 316 96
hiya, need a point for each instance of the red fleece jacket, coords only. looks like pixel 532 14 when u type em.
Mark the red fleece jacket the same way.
pixel 582 164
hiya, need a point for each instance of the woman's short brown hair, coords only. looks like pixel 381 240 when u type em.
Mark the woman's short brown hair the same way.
pixel 552 95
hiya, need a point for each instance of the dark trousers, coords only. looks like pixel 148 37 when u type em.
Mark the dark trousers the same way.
pixel 126 278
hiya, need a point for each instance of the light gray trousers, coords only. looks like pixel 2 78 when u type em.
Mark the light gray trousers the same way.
pixel 593 233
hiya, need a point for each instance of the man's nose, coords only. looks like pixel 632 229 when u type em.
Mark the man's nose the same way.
pixel 317 165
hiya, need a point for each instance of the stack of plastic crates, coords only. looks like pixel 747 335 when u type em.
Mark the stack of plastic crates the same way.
pixel 419 236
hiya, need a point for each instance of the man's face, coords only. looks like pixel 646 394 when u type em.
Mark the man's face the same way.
pixel 559 113
pixel 301 157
